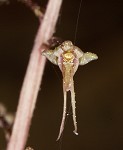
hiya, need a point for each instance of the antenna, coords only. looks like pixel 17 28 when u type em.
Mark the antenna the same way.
pixel 77 21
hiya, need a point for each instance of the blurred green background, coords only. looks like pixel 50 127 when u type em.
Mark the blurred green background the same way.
pixel 98 85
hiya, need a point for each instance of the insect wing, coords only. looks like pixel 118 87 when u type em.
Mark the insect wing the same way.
pixel 87 57
pixel 49 54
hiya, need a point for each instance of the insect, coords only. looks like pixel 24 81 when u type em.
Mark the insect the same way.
pixel 68 57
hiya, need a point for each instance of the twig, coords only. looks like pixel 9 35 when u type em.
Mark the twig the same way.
pixel 33 78
pixel 6 121
pixel 4 1
pixel 34 7
pixel 29 148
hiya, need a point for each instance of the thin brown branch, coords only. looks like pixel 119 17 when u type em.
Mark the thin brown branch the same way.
pixel 34 7
pixel 33 78
pixel 29 148
pixel 6 121
pixel 4 1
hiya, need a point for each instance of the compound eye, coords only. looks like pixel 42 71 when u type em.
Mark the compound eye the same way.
pixel 67 45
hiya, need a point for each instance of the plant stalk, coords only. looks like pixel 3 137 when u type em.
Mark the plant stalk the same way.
pixel 33 78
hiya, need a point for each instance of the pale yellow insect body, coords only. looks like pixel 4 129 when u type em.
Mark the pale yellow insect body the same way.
pixel 68 57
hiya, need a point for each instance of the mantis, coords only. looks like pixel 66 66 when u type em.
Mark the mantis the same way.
pixel 68 57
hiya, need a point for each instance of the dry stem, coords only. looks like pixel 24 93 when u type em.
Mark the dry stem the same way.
pixel 33 78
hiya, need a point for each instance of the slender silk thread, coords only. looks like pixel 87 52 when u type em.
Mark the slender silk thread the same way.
pixel 77 22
